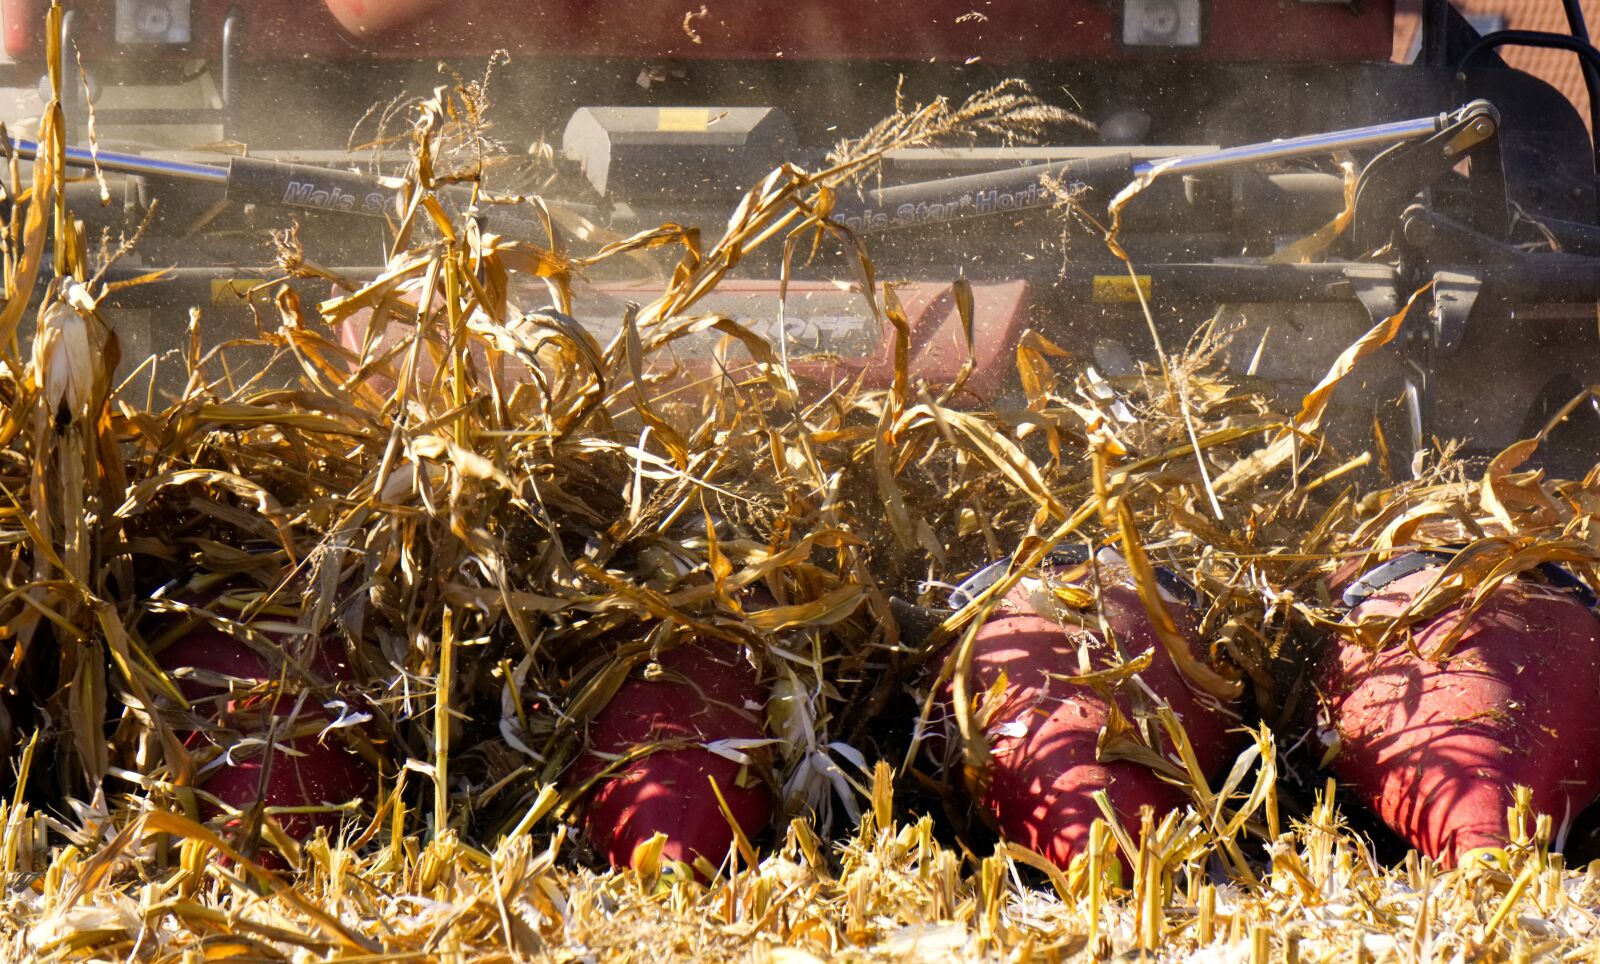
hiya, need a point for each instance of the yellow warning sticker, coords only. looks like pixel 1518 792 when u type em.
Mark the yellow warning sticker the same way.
pixel 235 291
pixel 682 119
pixel 1119 288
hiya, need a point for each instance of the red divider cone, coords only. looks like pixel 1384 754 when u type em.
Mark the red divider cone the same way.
pixel 364 17
pixel 305 771
pixel 1436 748
pixel 1043 738
pixel 708 693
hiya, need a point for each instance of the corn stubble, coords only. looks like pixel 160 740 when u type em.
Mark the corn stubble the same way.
pixel 498 517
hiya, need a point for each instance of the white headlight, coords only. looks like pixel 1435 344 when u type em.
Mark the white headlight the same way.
pixel 1161 23
pixel 153 21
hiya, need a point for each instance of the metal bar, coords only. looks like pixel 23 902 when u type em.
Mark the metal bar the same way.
pixel 130 163
pixel 1005 191
pixel 1211 283
pixel 232 41
pixel 1354 138
pixel 158 115
pixel 210 286
pixel 1172 282
pixel 1359 137
pixel 1544 279
pixel 1017 189
pixel 908 205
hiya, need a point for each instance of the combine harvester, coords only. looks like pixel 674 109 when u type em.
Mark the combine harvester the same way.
pixel 1256 123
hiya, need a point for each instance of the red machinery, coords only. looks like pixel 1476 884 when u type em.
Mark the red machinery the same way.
pixel 1476 178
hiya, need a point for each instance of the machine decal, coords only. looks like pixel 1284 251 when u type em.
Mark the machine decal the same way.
pixel 306 194
pixel 683 119
pixel 1120 288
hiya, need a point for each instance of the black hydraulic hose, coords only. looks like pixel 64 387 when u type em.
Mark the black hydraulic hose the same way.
pixel 1575 19
pixel 1435 30
pixel 1588 57
pixel 1578 26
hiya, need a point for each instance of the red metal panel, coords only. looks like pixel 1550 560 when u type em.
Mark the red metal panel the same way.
pixel 903 30
pixel 23 22
pixel 995 31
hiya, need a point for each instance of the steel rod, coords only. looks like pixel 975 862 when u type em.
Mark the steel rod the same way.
pixel 1011 190
pixel 902 206
pixel 1359 137
pixel 130 163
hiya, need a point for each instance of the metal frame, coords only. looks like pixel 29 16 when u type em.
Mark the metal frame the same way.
pixel 1435 26
pixel 1434 51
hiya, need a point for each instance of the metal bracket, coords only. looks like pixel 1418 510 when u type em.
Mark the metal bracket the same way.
pixel 1393 179
pixel 1454 296
pixel 1374 287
